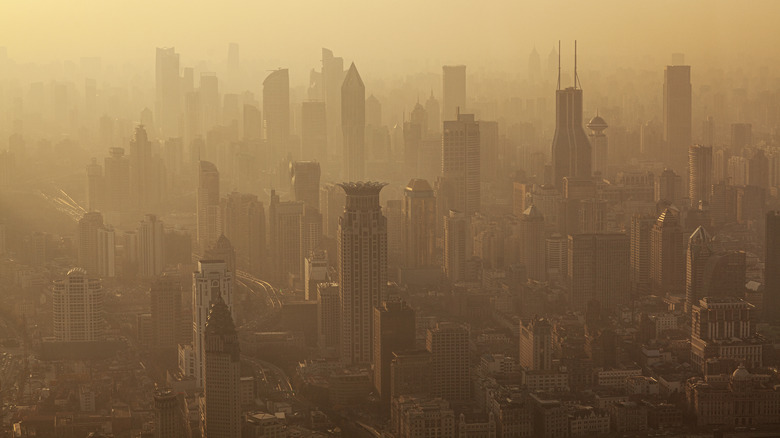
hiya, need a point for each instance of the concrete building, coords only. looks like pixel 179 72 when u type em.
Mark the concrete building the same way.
pixel 536 349
pixel 448 344
pixel 394 330
pixel 77 307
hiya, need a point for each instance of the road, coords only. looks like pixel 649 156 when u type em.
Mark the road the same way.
pixel 272 295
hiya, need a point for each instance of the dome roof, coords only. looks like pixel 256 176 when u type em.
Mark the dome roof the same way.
pixel 597 123
pixel 419 185
pixel 741 374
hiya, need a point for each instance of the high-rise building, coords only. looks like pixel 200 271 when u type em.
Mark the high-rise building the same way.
pixel 667 252
pixel 413 136
pixel 95 186
pixel 741 135
pixel 151 247
pixel 117 180
pixel 166 307
pixel 571 150
pixel 168 92
pixel 434 114
pixel 253 123
pixel 208 205
pixel 677 115
pixel 419 228
pixel 305 179
pixel 698 253
pixel 641 226
pixel 448 344
pixel 332 79
pixel 328 316
pixel 171 416
pixel 724 327
pixel 208 94
pixel 220 405
pixel 77 306
pixel 106 252
pixel 489 153
pixel 395 229
pixel 455 246
pixel 410 373
pixel 212 282
pixel 668 187
pixel 598 141
pixel 362 267
pixel 353 125
pixel 315 271
pixel 276 110
pixel 88 228
pixel 460 164
pixel 285 233
pixel 394 330
pixel 145 181
pixel 243 223
pixel 453 91
pixel 533 243
pixel 536 346
pixel 599 266
pixel 699 174
pixel 314 131
pixel 771 303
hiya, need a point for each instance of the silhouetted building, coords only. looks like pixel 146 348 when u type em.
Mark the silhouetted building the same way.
pixel 243 223
pixel 151 246
pixel 460 169
pixel 448 344
pixel 599 269
pixel 677 114
pixel 641 226
pixel 533 243
pixel 208 206
pixel 353 125
pixel 668 187
pixel 88 228
pixel 571 150
pixel 667 252
pixel 536 346
pixel 168 94
pixel 394 330
pixel 455 246
pixel 700 174
pixel 599 145
pixel 698 254
pixel 166 308
pixel 314 131
pixel 276 110
pixel 171 416
pixel 453 91
pixel 419 227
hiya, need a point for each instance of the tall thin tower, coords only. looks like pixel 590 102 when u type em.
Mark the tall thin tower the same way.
pixel 677 114
pixel 168 91
pixel 208 205
pixel 362 266
pixel 353 124
pixel 276 110
pixel 453 91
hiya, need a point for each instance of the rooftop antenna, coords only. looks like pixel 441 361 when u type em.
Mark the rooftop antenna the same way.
pixel 576 78
pixel 559 64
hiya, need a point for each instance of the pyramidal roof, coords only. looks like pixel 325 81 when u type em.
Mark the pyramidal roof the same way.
pixel 353 77
pixel 700 235
pixel 533 212
pixel 219 321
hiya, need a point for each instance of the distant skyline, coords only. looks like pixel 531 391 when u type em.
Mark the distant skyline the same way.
pixel 403 36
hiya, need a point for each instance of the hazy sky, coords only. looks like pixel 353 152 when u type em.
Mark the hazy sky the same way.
pixel 421 32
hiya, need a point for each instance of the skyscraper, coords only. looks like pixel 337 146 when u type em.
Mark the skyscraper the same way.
pixel 220 405
pixel 641 225
pixel 698 253
pixel 453 91
pixel 144 178
pixel 677 114
pixel 434 115
pixel 771 308
pixel 419 228
pixel 106 252
pixel 460 164
pixel 151 246
pixel 243 222
pixel 332 78
pixel 168 92
pixel 598 142
pixel 394 330
pixel 536 346
pixel 276 110
pixel 667 253
pixel 571 151
pixel 699 174
pixel 455 246
pixel 170 421
pixel 95 186
pixel 285 233
pixel 305 178
pixel 599 266
pixel 212 282
pixel 208 205
pixel 166 308
pixel 448 344
pixel 77 306
pixel 314 131
pixel 362 254
pixel 88 228
pixel 117 180
pixel 533 243
pixel 668 187
pixel 353 124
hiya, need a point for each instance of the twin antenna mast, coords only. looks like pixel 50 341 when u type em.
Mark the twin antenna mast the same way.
pixel 576 77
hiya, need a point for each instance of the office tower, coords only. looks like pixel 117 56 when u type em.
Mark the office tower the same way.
pixel 677 114
pixel 641 225
pixel 286 220
pixel 143 178
pixel 332 78
pixel 599 145
pixel 395 230
pixel 724 327
pixel 328 316
pixel 536 347
pixel 699 174
pixel 253 123
pixel 455 248
pixel 332 201
pixel 599 266
pixel 667 253
pixel 305 178
pixel 668 187
pixel 413 135
pixel 448 344
pixel 453 91
pixel 419 227
pixel 434 116
pixel 362 267
pixel 698 254
pixel 315 271
pixel 276 110
pixel 95 186
pixel 758 169
pixel 77 306
pixel 151 255
pixel 741 136
pixel 171 417
pixel 571 151
pixel 489 152
pixel 117 177
pixel 314 131
pixel 193 123
pixel 460 164
pixel 208 205
pixel 222 250
pixel 106 252
pixel 410 373
pixel 220 405
pixel 532 243
pixel 212 282
pixel 353 125
pixel 708 131
pixel 311 231
pixel 88 228
pixel 771 303
pixel 243 223
pixel 168 92
pixel 208 92
pixel 556 257
pixel 394 330
pixel 166 308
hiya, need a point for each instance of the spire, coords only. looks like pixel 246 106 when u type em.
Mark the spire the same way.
pixel 559 64
pixel 576 78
